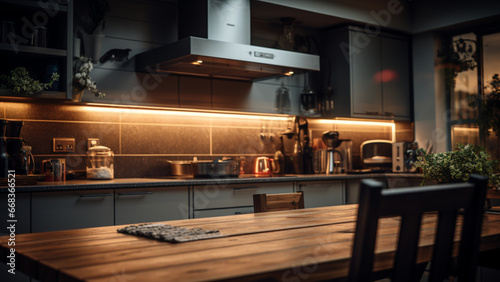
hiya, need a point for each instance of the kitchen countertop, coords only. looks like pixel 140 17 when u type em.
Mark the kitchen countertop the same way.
pixel 121 183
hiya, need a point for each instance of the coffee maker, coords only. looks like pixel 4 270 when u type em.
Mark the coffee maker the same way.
pixel 338 157
pixel 20 158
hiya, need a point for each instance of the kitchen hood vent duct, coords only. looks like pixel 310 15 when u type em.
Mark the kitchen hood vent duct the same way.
pixel 216 43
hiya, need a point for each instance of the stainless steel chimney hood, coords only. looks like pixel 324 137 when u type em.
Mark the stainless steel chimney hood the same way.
pixel 205 57
pixel 218 46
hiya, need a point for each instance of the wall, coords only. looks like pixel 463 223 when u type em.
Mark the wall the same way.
pixel 430 15
pixel 430 110
pixel 144 139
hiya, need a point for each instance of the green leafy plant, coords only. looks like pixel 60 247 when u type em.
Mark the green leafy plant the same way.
pixel 82 79
pixel 20 82
pixel 457 165
pixel 489 107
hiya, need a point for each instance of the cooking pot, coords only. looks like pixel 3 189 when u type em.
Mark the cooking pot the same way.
pixel 180 168
pixel 216 168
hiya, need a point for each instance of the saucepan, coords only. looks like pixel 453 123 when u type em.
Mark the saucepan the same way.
pixel 216 168
pixel 180 168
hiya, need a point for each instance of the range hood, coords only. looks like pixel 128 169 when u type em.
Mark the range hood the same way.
pixel 216 43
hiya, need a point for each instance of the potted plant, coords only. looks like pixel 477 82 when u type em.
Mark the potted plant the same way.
pixel 82 79
pixel 457 165
pixel 20 82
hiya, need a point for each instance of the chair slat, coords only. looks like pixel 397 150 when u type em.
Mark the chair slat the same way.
pixel 410 203
pixel 278 202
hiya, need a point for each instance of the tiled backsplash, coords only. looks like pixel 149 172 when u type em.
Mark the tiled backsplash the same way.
pixel 143 140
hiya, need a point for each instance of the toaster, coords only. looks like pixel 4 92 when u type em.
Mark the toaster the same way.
pixel 404 155
pixel 376 155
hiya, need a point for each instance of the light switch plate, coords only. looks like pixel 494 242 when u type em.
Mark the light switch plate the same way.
pixel 92 142
pixel 63 145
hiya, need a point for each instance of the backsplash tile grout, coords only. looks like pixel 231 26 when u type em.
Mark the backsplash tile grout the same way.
pixel 143 142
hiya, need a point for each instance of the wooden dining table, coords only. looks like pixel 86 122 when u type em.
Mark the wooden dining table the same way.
pixel 296 245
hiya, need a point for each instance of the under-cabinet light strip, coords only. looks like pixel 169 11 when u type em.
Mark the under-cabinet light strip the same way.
pixel 190 112
pixel 392 125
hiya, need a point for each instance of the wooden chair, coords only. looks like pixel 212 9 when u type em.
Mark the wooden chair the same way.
pixel 410 203
pixel 278 202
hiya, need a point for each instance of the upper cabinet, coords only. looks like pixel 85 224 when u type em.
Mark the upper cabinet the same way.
pixel 37 35
pixel 369 74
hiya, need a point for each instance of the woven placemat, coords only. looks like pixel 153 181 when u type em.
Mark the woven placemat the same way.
pixel 169 233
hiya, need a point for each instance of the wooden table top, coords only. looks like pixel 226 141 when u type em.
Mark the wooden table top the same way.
pixel 311 244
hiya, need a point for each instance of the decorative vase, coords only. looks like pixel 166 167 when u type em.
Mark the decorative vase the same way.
pixel 77 95
pixel 93 44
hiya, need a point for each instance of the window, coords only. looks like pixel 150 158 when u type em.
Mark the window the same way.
pixel 478 57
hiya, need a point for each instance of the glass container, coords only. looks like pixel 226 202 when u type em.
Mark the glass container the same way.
pixel 100 163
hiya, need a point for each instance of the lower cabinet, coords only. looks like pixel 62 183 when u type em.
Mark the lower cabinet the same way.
pixel 21 220
pixel 322 193
pixel 352 189
pixel 51 211
pixel 222 212
pixel 401 182
pixel 219 200
pixel 150 205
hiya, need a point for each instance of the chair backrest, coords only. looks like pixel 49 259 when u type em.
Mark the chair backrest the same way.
pixel 448 200
pixel 278 202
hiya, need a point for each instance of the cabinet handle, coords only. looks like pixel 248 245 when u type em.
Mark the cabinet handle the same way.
pixel 245 188
pixel 135 193
pixel 96 195
pixel 372 113
pixel 314 186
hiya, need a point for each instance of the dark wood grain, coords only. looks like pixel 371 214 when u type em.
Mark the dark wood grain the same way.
pixel 311 244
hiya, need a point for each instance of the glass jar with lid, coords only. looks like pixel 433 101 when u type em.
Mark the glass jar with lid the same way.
pixel 100 163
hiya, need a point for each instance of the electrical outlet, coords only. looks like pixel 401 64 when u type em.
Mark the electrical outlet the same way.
pixel 92 142
pixel 63 145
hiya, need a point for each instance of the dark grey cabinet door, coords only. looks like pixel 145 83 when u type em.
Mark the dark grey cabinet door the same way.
pixel 21 219
pixel 396 76
pixel 151 204
pixel 366 89
pixel 323 194
pixel 51 211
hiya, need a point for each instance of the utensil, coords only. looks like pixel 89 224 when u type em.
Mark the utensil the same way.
pixel 308 97
pixel 27 161
pixel 282 103
pixel 281 164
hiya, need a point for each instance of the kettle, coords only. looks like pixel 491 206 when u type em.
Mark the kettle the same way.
pixel 263 166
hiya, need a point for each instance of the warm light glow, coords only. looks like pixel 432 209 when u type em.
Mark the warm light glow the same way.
pixel 392 125
pixel 468 129
pixel 199 62
pixel 289 73
pixel 177 112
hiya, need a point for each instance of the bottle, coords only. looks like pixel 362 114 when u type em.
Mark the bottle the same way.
pixel 51 68
pixel 4 159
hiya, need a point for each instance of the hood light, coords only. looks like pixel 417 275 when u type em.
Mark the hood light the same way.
pixel 289 73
